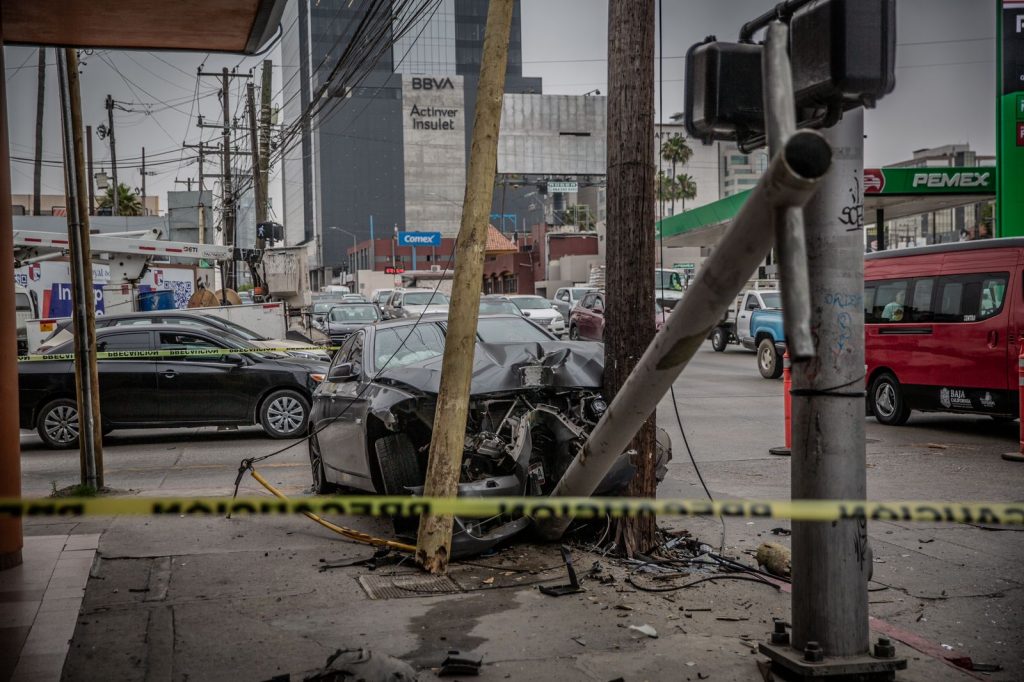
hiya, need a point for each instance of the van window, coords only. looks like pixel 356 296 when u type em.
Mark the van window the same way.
pixel 920 309
pixel 971 298
pixel 887 300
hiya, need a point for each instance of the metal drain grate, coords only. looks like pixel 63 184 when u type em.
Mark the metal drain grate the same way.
pixel 411 585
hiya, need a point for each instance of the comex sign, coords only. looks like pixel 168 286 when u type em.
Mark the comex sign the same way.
pixel 963 179
pixel 419 239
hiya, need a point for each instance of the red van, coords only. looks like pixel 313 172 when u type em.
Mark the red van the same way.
pixel 942 326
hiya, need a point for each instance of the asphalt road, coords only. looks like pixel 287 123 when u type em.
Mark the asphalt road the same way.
pixel 956 585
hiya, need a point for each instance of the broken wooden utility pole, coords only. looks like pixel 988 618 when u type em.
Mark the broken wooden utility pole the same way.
pixel 629 298
pixel 433 544
pixel 86 418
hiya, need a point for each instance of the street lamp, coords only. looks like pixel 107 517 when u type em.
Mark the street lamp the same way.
pixel 341 229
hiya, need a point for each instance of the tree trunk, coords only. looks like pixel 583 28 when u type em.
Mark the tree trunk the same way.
pixel 629 310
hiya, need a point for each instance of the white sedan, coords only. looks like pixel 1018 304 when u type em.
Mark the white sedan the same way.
pixel 541 311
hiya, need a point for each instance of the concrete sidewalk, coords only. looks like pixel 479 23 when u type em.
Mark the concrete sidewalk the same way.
pixel 213 599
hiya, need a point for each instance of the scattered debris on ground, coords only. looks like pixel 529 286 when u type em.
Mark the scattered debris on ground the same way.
pixel 774 558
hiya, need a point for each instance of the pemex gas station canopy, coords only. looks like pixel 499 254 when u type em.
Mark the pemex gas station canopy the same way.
pixel 897 192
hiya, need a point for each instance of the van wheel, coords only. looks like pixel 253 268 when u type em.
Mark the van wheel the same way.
pixel 57 424
pixel 769 362
pixel 887 401
pixel 574 332
pixel 399 469
pixel 719 339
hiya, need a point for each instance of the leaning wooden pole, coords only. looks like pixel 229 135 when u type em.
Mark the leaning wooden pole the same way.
pixel 433 545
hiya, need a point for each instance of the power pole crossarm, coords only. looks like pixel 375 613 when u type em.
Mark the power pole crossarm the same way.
pixel 433 544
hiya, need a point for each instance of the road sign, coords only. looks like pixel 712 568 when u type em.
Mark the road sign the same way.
pixel 956 180
pixel 393 271
pixel 563 187
pixel 419 239
pixel 683 266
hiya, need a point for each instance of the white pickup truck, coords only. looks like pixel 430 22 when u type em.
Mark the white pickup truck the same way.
pixel 735 325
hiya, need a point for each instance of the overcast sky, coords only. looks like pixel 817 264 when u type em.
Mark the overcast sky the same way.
pixel 945 88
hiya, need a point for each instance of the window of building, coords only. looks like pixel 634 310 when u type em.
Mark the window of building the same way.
pixel 738 160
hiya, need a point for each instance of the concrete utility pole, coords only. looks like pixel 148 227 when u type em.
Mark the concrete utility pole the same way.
pixel 259 200
pixel 91 178
pixel 115 204
pixel 264 143
pixel 433 544
pixel 629 325
pixel 37 170
pixel 229 198
pixel 11 537
pixel 833 560
pixel 83 318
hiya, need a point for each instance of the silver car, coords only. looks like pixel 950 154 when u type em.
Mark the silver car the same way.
pixel 543 312
pixel 415 302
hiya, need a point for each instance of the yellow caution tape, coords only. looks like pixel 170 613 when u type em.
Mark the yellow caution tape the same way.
pixel 172 353
pixel 993 513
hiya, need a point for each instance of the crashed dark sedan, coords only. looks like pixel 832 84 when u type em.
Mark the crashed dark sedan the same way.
pixel 534 400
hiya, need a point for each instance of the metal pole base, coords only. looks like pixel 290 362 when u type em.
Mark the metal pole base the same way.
pixel 789 664
pixel 1013 457
pixel 780 451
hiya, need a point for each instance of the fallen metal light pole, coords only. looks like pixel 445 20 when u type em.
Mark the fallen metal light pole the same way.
pixel 790 181
pixel 780 116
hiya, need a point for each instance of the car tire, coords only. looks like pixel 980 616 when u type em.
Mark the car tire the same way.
pixel 399 468
pixel 769 361
pixel 57 424
pixel 321 486
pixel 719 339
pixel 887 401
pixel 574 333
pixel 284 414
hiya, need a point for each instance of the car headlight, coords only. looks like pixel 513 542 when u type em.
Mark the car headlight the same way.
pixel 559 318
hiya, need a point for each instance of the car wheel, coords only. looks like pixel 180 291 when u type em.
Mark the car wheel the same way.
pixel 284 414
pixel 719 339
pixel 57 424
pixel 769 362
pixel 321 486
pixel 887 401
pixel 574 332
pixel 399 468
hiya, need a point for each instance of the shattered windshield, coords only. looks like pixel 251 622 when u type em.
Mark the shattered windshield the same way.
pixel 400 346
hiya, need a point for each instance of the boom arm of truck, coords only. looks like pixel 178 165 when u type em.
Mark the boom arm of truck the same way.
pixel 128 253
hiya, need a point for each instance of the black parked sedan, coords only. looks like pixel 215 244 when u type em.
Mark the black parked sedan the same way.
pixel 533 402
pixel 346 318
pixel 242 387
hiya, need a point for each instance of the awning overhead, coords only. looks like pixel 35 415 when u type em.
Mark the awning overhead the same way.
pixel 241 26
pixel 704 225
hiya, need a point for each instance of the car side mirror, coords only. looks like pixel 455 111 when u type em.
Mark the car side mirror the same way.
pixel 234 358
pixel 341 372
pixel 526 313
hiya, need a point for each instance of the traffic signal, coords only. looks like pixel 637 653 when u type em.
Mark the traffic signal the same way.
pixel 842 52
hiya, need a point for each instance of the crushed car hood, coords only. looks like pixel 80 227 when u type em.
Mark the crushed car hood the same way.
pixel 514 367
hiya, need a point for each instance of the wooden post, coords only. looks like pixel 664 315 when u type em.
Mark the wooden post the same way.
pixel 629 300
pixel 433 545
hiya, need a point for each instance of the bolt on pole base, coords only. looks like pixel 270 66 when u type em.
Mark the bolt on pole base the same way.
pixel 790 664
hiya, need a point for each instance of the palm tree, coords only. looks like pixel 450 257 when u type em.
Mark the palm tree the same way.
pixel 687 189
pixel 666 188
pixel 676 151
pixel 128 202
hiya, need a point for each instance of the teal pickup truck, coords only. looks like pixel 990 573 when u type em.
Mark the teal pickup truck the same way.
pixel 768 339
pixel 754 322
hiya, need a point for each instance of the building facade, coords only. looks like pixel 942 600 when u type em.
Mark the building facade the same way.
pixel 386 148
